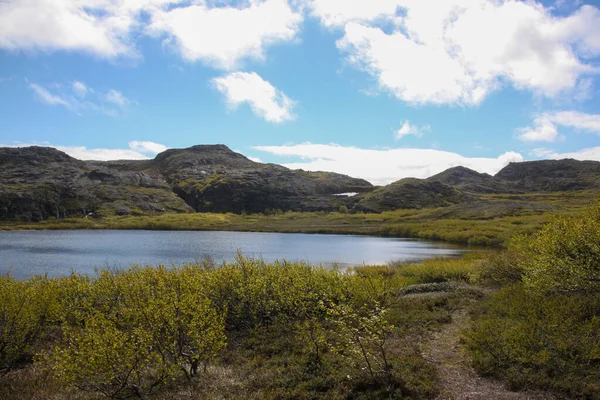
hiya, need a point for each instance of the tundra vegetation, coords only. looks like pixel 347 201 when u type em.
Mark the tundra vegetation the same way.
pixel 491 222
pixel 256 330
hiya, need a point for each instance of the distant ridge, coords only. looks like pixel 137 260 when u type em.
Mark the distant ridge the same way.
pixel 37 183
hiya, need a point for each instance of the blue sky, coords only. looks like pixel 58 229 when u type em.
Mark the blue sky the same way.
pixel 378 89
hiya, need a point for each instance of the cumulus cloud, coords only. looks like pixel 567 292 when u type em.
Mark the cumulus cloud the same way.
pixel 545 126
pixel 147 147
pixel 543 130
pixel 335 13
pixel 383 166
pixel 263 98
pixel 74 97
pixel 212 31
pixel 136 151
pixel 99 27
pixel 408 129
pixel 459 51
pixel 223 36
pixel 592 153
pixel 578 120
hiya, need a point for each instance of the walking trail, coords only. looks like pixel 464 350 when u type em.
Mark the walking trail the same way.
pixel 458 379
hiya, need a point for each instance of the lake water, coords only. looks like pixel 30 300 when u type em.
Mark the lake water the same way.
pixel 27 253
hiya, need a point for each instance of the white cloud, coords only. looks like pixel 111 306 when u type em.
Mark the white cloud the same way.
pixel 592 153
pixel 255 159
pixel 578 120
pixel 545 125
pixel 459 51
pixel 335 13
pixel 100 27
pixel 223 36
pixel 408 129
pixel 542 131
pixel 80 89
pixel 147 147
pixel 46 97
pixel 136 151
pixel 117 98
pixel 383 166
pixel 74 97
pixel 215 32
pixel 264 99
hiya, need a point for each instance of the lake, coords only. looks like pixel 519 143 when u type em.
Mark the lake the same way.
pixel 27 253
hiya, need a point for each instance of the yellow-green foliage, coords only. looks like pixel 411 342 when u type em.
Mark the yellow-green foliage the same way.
pixel 362 336
pixel 128 332
pixel 255 293
pixel 565 255
pixel 546 331
pixel 532 339
pixel 439 270
pixel 497 268
pixel 25 309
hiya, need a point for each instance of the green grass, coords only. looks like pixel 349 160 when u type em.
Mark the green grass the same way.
pixel 489 223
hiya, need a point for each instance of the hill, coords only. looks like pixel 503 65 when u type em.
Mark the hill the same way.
pixel 37 183
pixel 411 193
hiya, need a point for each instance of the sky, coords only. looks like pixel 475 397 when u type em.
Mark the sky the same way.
pixel 376 89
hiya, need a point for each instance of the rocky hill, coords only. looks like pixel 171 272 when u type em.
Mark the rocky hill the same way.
pixel 37 183
pixel 551 175
pixel 213 178
pixel 411 193
pixel 467 180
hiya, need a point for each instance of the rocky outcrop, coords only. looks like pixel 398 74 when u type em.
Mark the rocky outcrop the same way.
pixel 411 193
pixel 551 175
pixel 214 178
pixel 37 183
pixel 467 180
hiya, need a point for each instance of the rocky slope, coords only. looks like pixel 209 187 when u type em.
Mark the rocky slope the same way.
pixel 551 175
pixel 411 193
pixel 467 180
pixel 526 177
pixel 213 178
pixel 37 183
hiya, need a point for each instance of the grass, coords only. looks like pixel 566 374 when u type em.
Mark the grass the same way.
pixel 488 223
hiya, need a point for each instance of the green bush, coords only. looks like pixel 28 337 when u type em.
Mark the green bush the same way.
pixel 499 268
pixel 545 331
pixel 438 270
pixel 127 333
pixel 27 309
pixel 534 340
pixel 565 255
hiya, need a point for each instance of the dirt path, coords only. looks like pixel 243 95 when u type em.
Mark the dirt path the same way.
pixel 458 379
